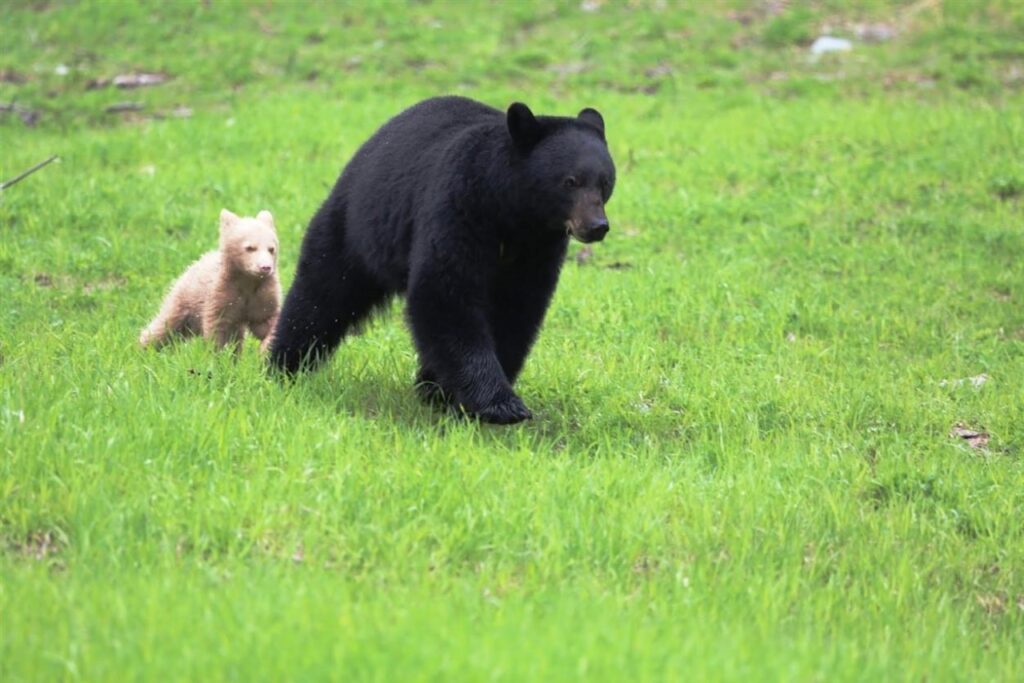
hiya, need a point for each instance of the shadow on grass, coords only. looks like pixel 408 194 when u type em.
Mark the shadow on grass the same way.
pixel 378 396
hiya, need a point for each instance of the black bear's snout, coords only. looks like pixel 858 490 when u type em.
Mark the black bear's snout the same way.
pixel 596 231
pixel 587 221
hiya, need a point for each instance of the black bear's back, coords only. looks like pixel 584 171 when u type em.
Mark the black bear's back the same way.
pixel 391 178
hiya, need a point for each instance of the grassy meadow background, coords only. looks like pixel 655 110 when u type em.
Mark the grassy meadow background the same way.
pixel 742 464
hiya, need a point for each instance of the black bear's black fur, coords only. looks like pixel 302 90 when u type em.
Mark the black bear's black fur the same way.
pixel 468 211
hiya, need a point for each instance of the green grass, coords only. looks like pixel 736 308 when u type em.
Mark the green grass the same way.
pixel 740 465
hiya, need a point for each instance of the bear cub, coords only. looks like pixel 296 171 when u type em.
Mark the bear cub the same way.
pixel 226 291
pixel 467 211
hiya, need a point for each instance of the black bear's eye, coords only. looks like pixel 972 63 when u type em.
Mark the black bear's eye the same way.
pixel 571 182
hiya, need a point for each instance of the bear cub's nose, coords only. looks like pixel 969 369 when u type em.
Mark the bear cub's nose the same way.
pixel 266 269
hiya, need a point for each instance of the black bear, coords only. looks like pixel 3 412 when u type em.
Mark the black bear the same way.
pixel 467 211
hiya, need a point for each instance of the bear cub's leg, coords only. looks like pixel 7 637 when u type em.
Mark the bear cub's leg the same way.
pixel 173 320
pixel 222 328
pixel 262 329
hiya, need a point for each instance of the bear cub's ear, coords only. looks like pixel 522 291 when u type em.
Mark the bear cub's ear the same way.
pixel 227 219
pixel 594 118
pixel 265 217
pixel 523 126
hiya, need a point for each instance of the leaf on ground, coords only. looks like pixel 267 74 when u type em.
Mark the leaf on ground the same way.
pixel 584 256
pixel 977 381
pixel 138 80
pixel 127 81
pixel 972 437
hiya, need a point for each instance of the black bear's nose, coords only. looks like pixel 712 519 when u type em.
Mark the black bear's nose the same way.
pixel 597 231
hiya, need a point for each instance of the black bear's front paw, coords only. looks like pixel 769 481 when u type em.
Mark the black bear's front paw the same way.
pixel 504 411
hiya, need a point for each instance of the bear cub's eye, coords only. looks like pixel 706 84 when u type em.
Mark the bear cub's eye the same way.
pixel 270 249
pixel 250 248
pixel 571 182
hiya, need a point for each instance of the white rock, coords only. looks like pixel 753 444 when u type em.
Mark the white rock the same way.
pixel 825 44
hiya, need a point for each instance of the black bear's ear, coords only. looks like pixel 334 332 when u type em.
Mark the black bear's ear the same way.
pixel 523 126
pixel 592 117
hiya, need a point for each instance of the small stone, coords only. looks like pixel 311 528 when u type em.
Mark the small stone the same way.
pixel 826 44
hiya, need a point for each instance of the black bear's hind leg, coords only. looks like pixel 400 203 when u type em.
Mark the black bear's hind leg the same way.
pixel 327 298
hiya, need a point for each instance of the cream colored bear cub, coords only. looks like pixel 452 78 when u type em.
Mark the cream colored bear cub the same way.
pixel 225 291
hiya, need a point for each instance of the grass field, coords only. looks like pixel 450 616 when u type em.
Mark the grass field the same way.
pixel 741 465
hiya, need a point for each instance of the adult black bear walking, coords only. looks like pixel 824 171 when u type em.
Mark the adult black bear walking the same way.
pixel 467 211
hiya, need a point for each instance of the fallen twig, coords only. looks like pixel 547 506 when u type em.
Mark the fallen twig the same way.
pixel 12 181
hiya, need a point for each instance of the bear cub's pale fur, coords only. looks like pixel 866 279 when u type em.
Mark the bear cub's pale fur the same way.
pixel 225 291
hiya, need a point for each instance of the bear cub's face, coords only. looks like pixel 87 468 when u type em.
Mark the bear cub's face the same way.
pixel 249 245
pixel 571 174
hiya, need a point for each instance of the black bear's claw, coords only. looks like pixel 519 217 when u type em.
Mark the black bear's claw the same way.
pixel 505 411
